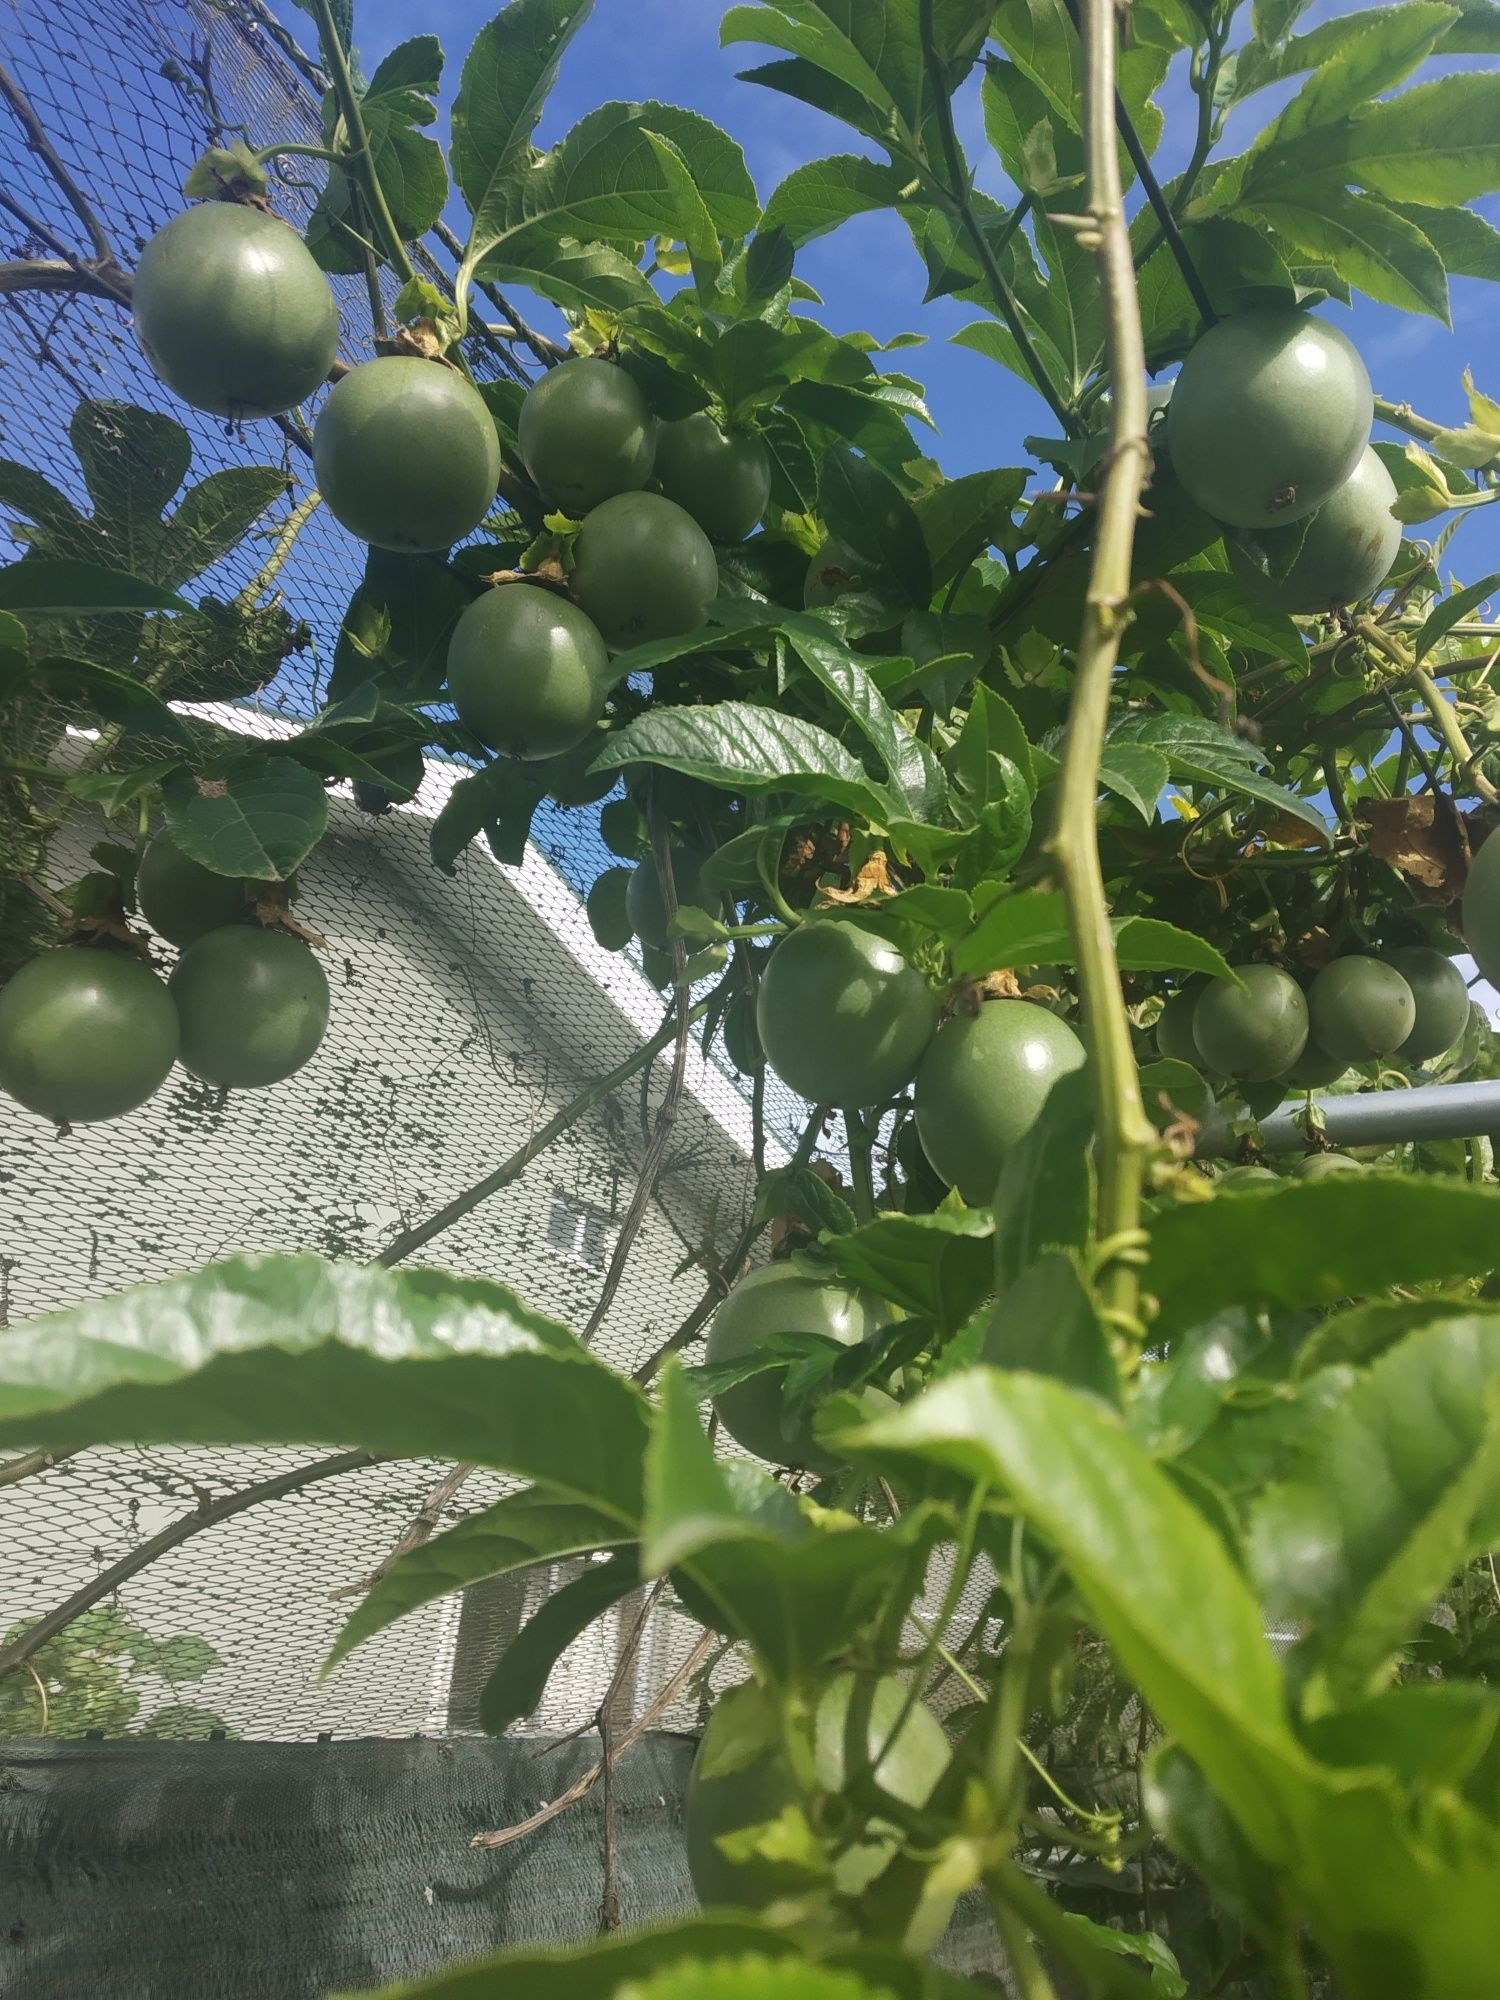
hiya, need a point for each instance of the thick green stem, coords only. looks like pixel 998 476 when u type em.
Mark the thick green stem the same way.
pixel 1402 417
pixel 1125 1135
pixel 1441 713
pixel 359 161
pixel 286 540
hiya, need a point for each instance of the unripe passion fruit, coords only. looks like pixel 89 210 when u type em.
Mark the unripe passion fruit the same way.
pixel 981 1087
pixel 1268 416
pixel 645 904
pixel 608 911
pixel 843 1018
pixel 585 433
pixel 1481 909
pixel 180 898
pixel 233 313
pixel 1441 997
pixel 253 1005
pixel 406 455
pixel 1174 1026
pixel 796 1296
pixel 527 671
pixel 748 1794
pixel 1346 553
pixel 1254 1031
pixel 1360 1008
pixel 723 481
pixel 1248 1177
pixel 1318 1166
pixel 1315 1068
pixel 643 569
pixel 85 1034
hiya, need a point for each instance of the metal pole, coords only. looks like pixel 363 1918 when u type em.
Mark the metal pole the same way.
pixel 1373 1118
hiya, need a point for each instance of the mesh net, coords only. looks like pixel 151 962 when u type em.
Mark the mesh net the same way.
pixel 466 1012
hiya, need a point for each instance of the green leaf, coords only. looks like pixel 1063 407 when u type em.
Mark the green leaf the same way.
pixel 396 629
pixel 1447 614
pixel 507 74
pixel 1363 66
pixel 798 1191
pixel 50 587
pixel 517 1532
pixel 1315 1242
pixel 939 1265
pixel 1145 1947
pixel 874 57
pixel 112 791
pixel 1372 247
pixel 1153 1573
pixel 1191 1820
pixel 409 166
pixel 1136 774
pixel 742 747
pixel 1468 245
pixel 1428 1732
pixel 497 801
pixel 579 277
pixel 520 1679
pixel 294 1350
pixel 819 196
pixel 1048 1324
pixel 795 1592
pixel 1045 1198
pixel 1028 927
pixel 1438 144
pixel 1146 944
pixel 1199 752
pixel 960 517
pixel 1395 1491
pixel 867 511
pixel 214 517
pixel 1220 602
pixel 109 694
pixel 910 766
pixel 260 817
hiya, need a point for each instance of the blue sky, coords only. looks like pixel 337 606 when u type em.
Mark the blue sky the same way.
pixel 868 271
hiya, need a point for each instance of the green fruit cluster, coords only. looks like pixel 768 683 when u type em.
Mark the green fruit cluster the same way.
pixel 90 1032
pixel 1263 1026
pixel 1268 425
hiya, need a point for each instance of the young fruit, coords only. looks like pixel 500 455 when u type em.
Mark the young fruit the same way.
pixel 1346 553
pixel 843 1018
pixel 1442 1000
pixel 833 572
pixel 527 671
pixel 723 481
pixel 406 455
pixel 795 1296
pixel 253 1005
pixel 1253 1031
pixel 1360 1008
pixel 608 911
pixel 981 1087
pixel 586 433
pixel 741 1794
pixel 643 569
pixel 85 1034
pixel 180 898
pixel 1269 416
pixel 1481 909
pixel 1248 1176
pixel 233 313
pixel 1174 1026
pixel 1318 1166
pixel 1315 1068
pixel 644 903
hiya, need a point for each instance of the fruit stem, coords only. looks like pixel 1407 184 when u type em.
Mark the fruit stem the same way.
pixel 958 192
pixel 1125 1135
pixel 1441 712
pixel 359 160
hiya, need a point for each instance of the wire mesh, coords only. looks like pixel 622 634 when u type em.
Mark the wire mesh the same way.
pixel 465 1013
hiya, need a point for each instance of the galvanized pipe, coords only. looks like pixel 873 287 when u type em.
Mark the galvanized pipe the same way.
pixel 1373 1118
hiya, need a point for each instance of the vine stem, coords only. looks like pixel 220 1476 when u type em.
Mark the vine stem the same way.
pixel 46 152
pixel 1442 714
pixel 286 540
pixel 359 159
pixel 1125 1135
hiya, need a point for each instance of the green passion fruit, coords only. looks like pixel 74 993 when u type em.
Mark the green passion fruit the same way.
pixel 85 1033
pixel 721 1801
pixel 843 1018
pixel 723 479
pixel 1174 1026
pixel 1318 1166
pixel 1255 1030
pixel 1481 909
pixel 527 671
pixel 1315 1068
pixel 608 910
pixel 1346 553
pixel 1441 998
pixel 1248 1177
pixel 795 1296
pixel 180 898
pixel 1268 417
pixel 645 904
pixel 981 1087
pixel 585 433
pixel 253 1005
pixel 1360 1008
pixel 406 455
pixel 233 313
pixel 643 569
